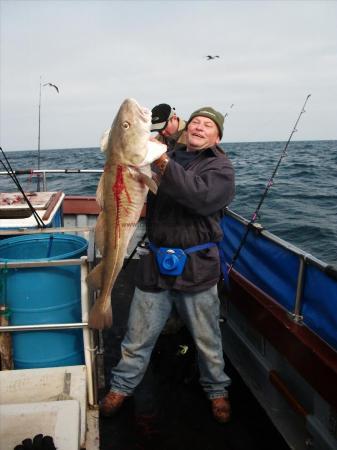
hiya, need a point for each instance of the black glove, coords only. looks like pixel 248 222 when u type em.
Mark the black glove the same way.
pixel 39 442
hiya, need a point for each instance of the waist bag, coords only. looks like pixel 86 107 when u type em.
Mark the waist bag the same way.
pixel 171 261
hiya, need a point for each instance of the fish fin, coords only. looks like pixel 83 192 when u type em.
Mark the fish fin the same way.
pixel 99 232
pixel 143 178
pixel 156 177
pixel 105 140
pixel 100 192
pixel 98 318
pixel 95 277
pixel 149 182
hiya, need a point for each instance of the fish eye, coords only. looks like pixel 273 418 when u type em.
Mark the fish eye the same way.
pixel 126 125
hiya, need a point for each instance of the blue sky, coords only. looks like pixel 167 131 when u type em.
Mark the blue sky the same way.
pixel 272 54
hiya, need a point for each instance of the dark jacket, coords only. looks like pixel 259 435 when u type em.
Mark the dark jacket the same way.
pixel 186 212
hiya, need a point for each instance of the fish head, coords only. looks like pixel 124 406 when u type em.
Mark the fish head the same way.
pixel 127 141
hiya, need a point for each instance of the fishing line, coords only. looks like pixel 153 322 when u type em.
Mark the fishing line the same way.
pixel 13 176
pixel 268 186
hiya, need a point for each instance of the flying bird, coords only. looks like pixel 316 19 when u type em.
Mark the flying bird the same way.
pixel 52 85
pixel 212 57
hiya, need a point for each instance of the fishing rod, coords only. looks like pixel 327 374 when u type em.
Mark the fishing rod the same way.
pixel 265 192
pixel 11 173
pixel 227 113
pixel 39 133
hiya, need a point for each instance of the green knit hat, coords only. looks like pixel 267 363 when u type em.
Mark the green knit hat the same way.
pixel 212 114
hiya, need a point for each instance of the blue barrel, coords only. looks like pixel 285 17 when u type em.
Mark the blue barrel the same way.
pixel 44 295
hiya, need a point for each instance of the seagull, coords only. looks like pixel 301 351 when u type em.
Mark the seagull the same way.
pixel 52 85
pixel 212 57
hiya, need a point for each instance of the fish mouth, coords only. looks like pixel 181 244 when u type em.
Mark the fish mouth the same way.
pixel 145 114
pixel 141 112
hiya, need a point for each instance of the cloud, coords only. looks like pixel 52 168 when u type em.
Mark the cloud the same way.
pixel 272 54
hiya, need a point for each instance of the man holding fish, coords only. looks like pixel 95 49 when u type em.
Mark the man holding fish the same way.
pixel 182 265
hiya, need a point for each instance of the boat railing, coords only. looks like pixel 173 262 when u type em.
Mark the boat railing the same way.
pixel 89 349
pixel 18 231
pixel 272 237
pixel 303 258
pixel 44 173
pixel 300 283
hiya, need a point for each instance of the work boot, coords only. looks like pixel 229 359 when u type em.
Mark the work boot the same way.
pixel 221 409
pixel 111 403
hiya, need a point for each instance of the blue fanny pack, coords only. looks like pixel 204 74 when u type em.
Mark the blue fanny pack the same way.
pixel 171 261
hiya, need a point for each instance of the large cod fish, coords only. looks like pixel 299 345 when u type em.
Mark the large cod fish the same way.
pixel 121 193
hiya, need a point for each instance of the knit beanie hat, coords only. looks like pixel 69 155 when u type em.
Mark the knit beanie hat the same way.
pixel 212 114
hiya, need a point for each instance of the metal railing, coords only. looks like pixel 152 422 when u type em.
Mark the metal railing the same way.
pixel 45 172
pixel 89 350
pixel 304 258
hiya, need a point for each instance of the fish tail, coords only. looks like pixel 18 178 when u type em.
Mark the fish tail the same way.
pixel 100 318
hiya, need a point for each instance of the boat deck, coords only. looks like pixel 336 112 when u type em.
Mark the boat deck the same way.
pixel 179 416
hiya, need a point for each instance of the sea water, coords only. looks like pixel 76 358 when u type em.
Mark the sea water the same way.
pixel 301 205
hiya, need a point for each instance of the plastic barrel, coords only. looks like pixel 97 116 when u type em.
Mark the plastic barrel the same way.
pixel 44 295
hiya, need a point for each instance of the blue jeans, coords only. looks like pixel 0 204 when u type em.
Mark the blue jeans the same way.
pixel 148 314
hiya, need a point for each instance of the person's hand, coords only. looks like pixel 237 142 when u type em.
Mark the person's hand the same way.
pixel 161 163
